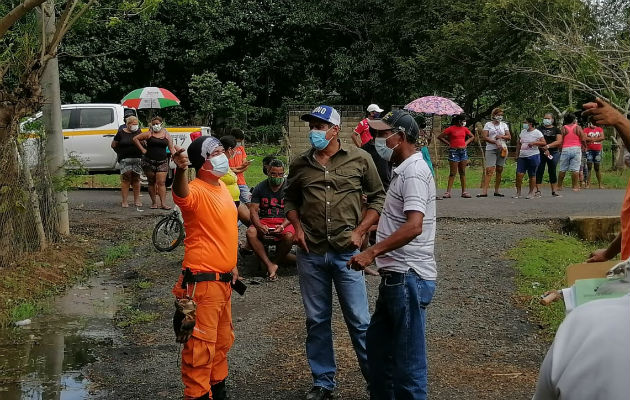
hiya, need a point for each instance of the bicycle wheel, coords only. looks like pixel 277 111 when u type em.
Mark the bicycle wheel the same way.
pixel 168 234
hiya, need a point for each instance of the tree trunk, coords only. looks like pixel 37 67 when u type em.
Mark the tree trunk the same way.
pixel 619 161
pixel 34 198
pixel 52 122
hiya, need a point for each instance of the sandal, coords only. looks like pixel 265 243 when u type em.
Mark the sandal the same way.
pixel 481 195
pixel 499 195
pixel 165 208
pixel 154 207
pixel 272 278
pixel 466 195
pixel 446 195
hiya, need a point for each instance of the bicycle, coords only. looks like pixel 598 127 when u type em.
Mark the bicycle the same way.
pixel 169 231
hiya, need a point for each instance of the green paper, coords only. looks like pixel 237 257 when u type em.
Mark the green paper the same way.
pixel 585 290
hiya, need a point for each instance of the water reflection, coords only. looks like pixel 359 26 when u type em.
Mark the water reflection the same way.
pixel 43 361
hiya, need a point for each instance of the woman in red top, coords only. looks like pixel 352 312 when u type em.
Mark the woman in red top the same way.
pixel 457 137
pixel 594 137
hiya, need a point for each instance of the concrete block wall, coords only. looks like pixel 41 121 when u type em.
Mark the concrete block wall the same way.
pixel 297 130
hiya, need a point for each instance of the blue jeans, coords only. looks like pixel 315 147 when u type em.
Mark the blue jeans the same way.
pixel 317 274
pixel 395 339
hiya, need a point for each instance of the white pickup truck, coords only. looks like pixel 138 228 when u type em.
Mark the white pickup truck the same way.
pixel 88 130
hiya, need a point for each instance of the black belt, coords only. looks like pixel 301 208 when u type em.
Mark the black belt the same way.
pixel 189 277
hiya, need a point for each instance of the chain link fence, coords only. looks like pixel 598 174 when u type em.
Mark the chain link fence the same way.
pixel 28 220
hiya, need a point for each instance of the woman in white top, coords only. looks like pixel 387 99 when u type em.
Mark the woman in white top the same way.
pixel 496 134
pixel 528 156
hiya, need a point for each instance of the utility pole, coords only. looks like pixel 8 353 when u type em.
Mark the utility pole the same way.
pixel 52 121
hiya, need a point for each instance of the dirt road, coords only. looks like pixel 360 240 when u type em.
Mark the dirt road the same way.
pixel 480 345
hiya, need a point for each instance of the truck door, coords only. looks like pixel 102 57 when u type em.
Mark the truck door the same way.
pixel 90 136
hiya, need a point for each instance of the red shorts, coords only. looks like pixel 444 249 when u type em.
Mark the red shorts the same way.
pixel 273 222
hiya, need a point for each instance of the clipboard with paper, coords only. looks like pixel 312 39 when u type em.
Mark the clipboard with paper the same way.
pixel 592 281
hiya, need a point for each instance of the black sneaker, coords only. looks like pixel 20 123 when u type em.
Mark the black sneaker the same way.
pixel 319 393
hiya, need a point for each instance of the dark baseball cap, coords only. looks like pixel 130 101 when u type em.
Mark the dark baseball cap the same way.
pixel 398 120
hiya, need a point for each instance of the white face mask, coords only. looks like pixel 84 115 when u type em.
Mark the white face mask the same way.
pixel 133 128
pixel 380 144
pixel 156 127
pixel 498 118
pixel 220 165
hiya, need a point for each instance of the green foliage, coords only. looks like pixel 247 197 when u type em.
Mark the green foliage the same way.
pixel 23 311
pixel 144 285
pixel 130 316
pixel 114 253
pixel 254 174
pixel 541 264
pixel 266 133
pixel 214 99
pixel 228 60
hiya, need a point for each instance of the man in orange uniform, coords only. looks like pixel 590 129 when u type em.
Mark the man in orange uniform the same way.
pixel 603 113
pixel 209 266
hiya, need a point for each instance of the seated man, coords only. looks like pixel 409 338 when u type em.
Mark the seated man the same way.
pixel 268 219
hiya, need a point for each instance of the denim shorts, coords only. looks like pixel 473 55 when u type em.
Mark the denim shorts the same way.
pixel 528 164
pixel 571 159
pixel 245 196
pixel 458 155
pixel 594 156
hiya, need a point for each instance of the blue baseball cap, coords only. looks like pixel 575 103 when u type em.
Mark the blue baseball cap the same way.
pixel 324 113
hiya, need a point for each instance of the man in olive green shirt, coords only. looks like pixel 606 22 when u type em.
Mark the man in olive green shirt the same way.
pixel 323 202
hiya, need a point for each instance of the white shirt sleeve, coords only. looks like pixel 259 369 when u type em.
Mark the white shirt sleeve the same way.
pixel 545 388
pixel 415 188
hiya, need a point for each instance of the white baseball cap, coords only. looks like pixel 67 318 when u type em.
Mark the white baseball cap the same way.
pixel 374 107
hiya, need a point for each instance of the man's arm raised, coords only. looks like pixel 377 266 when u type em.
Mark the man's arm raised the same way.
pixel 180 182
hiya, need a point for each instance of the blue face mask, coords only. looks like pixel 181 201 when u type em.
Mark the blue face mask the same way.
pixel 380 144
pixel 220 165
pixel 376 115
pixel 526 126
pixel 546 121
pixel 318 139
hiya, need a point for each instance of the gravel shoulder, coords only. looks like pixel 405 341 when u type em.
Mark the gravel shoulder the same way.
pixel 481 346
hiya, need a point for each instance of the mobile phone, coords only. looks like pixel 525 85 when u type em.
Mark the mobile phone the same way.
pixel 239 287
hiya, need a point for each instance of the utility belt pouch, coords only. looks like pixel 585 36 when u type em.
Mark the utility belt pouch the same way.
pixel 184 319
pixel 188 277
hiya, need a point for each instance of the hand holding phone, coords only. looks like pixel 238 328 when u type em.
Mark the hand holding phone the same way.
pixel 239 287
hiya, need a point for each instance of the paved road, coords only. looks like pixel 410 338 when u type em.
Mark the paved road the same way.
pixel 589 202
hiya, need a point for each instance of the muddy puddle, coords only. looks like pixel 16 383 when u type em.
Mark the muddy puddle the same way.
pixel 46 359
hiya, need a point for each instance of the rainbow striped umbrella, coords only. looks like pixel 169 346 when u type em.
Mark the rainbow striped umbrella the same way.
pixel 150 97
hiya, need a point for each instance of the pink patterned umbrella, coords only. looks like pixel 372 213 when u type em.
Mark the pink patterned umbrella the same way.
pixel 434 105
